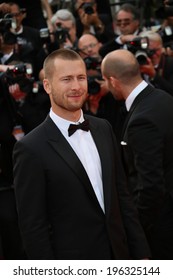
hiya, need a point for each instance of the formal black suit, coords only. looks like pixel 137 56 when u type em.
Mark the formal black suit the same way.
pixel 147 144
pixel 59 215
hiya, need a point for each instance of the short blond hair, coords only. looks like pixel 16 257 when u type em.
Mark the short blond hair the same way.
pixel 65 54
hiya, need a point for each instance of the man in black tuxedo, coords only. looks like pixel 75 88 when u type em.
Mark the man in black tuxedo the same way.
pixel 70 187
pixel 147 148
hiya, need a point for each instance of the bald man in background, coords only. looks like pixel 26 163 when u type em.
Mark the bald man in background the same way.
pixel 147 148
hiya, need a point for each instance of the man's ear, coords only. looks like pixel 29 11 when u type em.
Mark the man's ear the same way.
pixel 47 86
pixel 113 81
pixel 100 44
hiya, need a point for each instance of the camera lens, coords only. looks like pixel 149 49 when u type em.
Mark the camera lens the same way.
pixel 141 57
pixel 93 86
pixel 88 9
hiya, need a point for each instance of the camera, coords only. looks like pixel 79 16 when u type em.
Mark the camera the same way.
pixel 93 86
pixel 18 69
pixel 44 33
pixel 20 74
pixel 88 8
pixel 139 47
pixel 92 63
pixel 7 22
pixel 60 34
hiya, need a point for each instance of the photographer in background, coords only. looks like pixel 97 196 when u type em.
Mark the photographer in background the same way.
pixel 91 49
pixel 127 25
pixel 90 21
pixel 35 17
pixel 158 69
pixel 8 48
pixel 63 19
pixel 28 38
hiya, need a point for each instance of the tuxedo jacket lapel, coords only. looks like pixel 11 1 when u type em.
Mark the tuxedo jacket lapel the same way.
pixel 104 153
pixel 65 151
pixel 137 100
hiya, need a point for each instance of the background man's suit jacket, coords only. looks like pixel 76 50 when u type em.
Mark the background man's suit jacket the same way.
pixel 148 156
pixel 59 215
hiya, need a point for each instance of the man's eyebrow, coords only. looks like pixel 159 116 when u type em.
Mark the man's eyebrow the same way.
pixel 70 76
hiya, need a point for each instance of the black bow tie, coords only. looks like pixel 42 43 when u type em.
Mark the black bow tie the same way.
pixel 73 127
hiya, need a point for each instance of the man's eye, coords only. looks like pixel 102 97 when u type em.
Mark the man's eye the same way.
pixel 82 78
pixel 66 79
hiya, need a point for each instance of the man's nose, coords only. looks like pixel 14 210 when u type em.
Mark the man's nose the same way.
pixel 76 84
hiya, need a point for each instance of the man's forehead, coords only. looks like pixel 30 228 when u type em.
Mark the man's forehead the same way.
pixel 60 61
pixel 124 14
pixel 65 22
pixel 87 41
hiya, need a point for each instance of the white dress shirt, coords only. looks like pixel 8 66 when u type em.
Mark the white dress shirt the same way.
pixel 134 94
pixel 85 148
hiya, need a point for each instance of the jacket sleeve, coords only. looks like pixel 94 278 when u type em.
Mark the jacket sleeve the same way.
pixel 30 194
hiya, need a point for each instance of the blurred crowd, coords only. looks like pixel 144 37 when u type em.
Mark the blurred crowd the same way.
pixel 30 30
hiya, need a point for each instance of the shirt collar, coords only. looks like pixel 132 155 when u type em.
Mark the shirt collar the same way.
pixel 63 124
pixel 134 94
